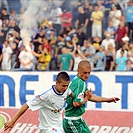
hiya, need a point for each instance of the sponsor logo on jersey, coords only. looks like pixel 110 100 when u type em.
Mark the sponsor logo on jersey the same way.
pixel 81 95
pixel 56 110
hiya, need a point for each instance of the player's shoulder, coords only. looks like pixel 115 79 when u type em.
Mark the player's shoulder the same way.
pixel 46 91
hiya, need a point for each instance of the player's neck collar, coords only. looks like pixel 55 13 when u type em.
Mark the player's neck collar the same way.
pixel 53 87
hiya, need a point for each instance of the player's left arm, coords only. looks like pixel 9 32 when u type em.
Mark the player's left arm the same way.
pixel 96 98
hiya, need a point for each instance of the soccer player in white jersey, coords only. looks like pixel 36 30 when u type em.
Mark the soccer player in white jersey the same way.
pixel 50 103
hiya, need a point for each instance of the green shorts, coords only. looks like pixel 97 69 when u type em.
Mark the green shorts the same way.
pixel 75 126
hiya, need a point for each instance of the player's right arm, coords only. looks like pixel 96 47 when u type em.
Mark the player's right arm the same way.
pixel 21 111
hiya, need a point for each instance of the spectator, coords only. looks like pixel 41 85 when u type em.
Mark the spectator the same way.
pixel 118 52
pixel 110 29
pixel 14 15
pixel 121 62
pixel 5 14
pixel 129 19
pixel 16 37
pixel 125 41
pixel 66 18
pixel 6 56
pixel 89 51
pixel 75 39
pixel 108 40
pixel 75 5
pixel 97 17
pixel 70 46
pixel 77 57
pixel 46 45
pixel 100 59
pixel 82 20
pixel 44 59
pixel 123 18
pixel 40 51
pixel 49 28
pixel 13 27
pixel 60 44
pixel 120 33
pixel 12 45
pixel 96 42
pixel 26 60
pixel 38 39
pixel 107 4
pixel 81 36
pixel 66 60
pixel 100 5
pixel 86 6
pixel 89 29
pixel 109 65
pixel 111 50
pixel 5 29
pixel 129 65
pixel 52 40
pixel 69 31
pixel 115 15
pixel 55 15
pixel 44 23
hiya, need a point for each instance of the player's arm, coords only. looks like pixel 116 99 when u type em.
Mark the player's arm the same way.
pixel 21 111
pixel 87 96
pixel 96 98
pixel 71 95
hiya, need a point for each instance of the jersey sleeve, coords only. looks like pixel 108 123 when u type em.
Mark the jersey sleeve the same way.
pixel 79 94
pixel 37 102
pixel 69 92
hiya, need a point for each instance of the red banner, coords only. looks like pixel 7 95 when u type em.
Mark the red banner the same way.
pixel 98 121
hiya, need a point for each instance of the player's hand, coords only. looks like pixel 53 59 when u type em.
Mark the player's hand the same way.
pixel 8 125
pixel 88 94
pixel 113 99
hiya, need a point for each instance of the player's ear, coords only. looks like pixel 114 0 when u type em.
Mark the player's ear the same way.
pixel 57 82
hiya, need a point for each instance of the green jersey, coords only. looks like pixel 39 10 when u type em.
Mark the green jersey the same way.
pixel 65 60
pixel 78 87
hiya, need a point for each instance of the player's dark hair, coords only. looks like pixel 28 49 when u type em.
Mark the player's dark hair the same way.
pixel 62 76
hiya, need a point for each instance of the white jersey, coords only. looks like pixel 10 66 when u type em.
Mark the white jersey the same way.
pixel 76 62
pixel 6 52
pixel 50 103
pixel 26 56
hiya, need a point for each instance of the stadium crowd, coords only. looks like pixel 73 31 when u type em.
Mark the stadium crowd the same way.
pixel 66 33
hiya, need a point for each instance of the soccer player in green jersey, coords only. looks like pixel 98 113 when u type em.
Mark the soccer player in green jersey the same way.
pixel 73 122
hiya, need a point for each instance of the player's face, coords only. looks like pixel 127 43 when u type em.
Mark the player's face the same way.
pixel 62 86
pixel 84 73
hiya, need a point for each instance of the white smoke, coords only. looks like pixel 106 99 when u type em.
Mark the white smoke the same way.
pixel 30 18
